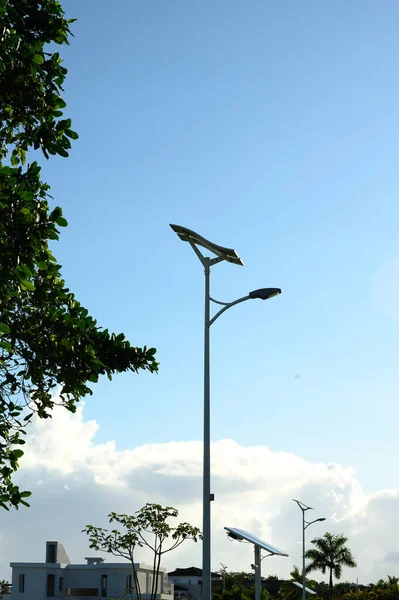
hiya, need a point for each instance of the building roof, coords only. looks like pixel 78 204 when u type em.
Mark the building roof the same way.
pixel 190 571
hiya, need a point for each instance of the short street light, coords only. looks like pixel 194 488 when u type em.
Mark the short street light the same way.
pixel 224 571
pixel 305 525
pixel 221 254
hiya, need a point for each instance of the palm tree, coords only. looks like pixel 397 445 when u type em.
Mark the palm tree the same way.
pixel 330 553
pixel 392 582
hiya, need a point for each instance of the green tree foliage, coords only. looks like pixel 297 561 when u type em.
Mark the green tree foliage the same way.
pixel 296 575
pixel 47 339
pixel 237 592
pixel 148 527
pixel 342 588
pixel 390 583
pixel 5 587
pixel 321 588
pixel 272 584
pixel 384 589
pixel 330 554
pixel 288 591
pixel 239 586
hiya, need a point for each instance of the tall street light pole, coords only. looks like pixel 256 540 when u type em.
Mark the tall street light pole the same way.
pixel 305 525
pixel 221 254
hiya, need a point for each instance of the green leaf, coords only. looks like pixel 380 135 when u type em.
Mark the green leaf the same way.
pixel 60 103
pixel 72 134
pixel 57 212
pixel 4 328
pixel 60 150
pixel 27 285
pixel 27 196
pixel 25 494
pixel 34 168
pixel 62 222
pixel 5 345
pixel 18 453
pixel 38 59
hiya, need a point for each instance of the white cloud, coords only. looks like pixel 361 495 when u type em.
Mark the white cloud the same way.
pixel 77 481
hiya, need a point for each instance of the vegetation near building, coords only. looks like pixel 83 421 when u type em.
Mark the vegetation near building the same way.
pixel 241 585
pixel 149 527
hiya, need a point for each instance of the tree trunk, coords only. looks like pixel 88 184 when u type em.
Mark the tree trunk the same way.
pixel 331 584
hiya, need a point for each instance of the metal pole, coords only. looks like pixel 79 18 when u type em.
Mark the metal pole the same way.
pixel 303 557
pixel 206 514
pixel 257 572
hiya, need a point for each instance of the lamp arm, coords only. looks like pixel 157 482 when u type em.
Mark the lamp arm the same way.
pixel 226 307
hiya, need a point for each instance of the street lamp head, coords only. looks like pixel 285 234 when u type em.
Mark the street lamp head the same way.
pixel 187 235
pixel 321 519
pixel 265 293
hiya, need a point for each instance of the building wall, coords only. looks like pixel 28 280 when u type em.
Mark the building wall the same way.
pixel 60 556
pixel 87 577
pixel 35 583
pixel 82 577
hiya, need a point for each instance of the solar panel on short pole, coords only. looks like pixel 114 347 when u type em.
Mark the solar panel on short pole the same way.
pixel 259 545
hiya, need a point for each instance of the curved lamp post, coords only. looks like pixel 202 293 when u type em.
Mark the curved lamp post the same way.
pixel 221 254
pixel 305 525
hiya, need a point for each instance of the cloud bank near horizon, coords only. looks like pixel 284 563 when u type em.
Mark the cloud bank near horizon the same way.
pixel 76 481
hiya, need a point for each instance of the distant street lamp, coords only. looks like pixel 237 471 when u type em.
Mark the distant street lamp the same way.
pixel 305 525
pixel 228 254
pixel 224 571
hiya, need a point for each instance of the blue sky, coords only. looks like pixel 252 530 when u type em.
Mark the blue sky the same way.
pixel 271 127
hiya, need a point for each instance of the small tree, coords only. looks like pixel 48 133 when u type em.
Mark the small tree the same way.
pixel 148 527
pixel 330 553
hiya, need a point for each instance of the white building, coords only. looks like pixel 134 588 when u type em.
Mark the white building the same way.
pixel 58 578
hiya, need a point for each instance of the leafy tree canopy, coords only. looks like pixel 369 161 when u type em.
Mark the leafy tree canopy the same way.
pixel 149 527
pixel 47 338
pixel 239 586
